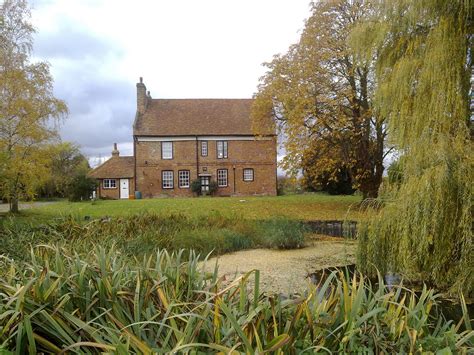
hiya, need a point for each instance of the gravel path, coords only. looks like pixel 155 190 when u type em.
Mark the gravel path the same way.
pixel 4 207
pixel 286 271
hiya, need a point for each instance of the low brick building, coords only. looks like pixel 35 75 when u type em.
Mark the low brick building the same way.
pixel 115 177
pixel 177 141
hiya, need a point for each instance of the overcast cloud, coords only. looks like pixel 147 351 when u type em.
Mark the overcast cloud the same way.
pixel 183 49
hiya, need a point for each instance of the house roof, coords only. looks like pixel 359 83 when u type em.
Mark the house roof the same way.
pixel 186 117
pixel 115 168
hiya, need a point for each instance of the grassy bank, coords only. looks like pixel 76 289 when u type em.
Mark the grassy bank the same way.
pixel 301 207
pixel 103 302
pixel 144 233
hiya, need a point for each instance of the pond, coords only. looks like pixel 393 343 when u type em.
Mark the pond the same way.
pixel 333 228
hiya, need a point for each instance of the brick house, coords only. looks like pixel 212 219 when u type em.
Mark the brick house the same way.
pixel 115 177
pixel 179 140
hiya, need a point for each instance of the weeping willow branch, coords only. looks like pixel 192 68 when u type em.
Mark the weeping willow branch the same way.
pixel 423 75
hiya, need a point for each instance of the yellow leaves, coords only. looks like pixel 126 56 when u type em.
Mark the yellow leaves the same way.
pixel 321 98
pixel 29 112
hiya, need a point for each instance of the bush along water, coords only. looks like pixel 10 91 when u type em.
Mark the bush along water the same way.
pixel 104 302
pixel 282 233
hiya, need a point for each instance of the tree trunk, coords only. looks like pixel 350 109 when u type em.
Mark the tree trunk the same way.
pixel 14 204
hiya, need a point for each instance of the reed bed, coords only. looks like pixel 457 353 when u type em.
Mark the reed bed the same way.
pixel 103 301
pixel 144 233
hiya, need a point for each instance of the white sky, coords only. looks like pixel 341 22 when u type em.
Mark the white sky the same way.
pixel 183 49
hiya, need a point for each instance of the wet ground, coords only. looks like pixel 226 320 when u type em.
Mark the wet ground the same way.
pixel 287 271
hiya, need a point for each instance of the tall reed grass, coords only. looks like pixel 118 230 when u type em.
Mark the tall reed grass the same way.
pixel 144 233
pixel 103 301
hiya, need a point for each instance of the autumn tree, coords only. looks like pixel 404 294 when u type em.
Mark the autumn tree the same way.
pixel 29 112
pixel 66 164
pixel 424 66
pixel 320 95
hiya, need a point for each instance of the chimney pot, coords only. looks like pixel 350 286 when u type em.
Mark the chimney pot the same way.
pixel 141 79
pixel 115 152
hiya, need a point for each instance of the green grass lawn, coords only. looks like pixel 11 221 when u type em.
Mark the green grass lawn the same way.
pixel 139 227
pixel 300 207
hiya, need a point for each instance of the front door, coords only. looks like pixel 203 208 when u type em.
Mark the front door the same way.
pixel 124 188
pixel 205 184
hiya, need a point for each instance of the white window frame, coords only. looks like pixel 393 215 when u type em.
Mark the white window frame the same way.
pixel 107 183
pixel 204 148
pixel 222 174
pixel 168 181
pixel 222 149
pixel 184 179
pixel 168 151
pixel 246 177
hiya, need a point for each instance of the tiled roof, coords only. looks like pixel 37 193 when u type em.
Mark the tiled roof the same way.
pixel 175 117
pixel 115 168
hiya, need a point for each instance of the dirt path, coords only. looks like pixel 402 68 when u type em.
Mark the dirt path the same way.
pixel 286 271
pixel 4 207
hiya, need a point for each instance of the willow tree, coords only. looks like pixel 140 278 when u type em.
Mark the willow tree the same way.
pixel 320 98
pixel 424 64
pixel 28 108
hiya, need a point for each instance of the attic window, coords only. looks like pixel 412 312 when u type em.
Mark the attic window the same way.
pixel 109 184
pixel 166 150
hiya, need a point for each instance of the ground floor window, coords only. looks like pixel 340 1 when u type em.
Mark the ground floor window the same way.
pixel 167 179
pixel 183 178
pixel 110 184
pixel 222 178
pixel 248 174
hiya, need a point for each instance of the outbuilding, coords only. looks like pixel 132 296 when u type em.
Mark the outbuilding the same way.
pixel 115 176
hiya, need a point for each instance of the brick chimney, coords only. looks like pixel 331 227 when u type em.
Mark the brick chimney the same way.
pixel 115 152
pixel 141 97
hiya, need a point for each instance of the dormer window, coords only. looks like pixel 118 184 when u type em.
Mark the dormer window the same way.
pixel 167 150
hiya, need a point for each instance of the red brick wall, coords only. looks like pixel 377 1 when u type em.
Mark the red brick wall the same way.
pixel 115 192
pixel 259 155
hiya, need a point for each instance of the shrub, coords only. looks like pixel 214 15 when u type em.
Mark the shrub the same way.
pixel 202 241
pixel 288 186
pixel 338 183
pixel 234 241
pixel 213 186
pixel 282 233
pixel 82 188
pixel 196 187
pixel 218 241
